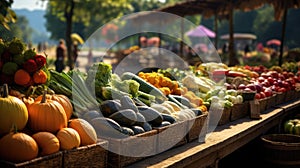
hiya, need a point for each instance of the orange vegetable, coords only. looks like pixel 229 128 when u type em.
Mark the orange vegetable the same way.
pixel 203 108
pixel 22 77
pixel 40 77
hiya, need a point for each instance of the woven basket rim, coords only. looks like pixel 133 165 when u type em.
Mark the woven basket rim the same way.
pixel 265 139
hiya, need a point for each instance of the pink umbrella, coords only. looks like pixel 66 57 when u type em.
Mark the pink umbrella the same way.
pixel 201 31
pixel 274 42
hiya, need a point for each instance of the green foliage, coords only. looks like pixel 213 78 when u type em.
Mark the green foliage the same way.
pixel 6 14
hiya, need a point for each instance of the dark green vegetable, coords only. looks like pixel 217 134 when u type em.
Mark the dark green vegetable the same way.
pixel 145 86
pixel 147 127
pixel 169 118
pixel 125 117
pixel 128 103
pixel 106 127
pixel 109 107
pixel 127 131
pixel 151 115
pixel 137 129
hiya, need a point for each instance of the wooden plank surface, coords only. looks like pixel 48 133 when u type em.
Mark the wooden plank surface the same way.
pixel 224 140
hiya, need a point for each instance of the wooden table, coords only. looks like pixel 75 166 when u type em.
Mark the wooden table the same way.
pixel 220 143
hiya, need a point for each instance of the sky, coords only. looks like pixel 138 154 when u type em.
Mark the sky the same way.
pixel 29 4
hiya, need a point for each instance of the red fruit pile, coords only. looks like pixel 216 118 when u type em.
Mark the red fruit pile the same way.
pixel 15 56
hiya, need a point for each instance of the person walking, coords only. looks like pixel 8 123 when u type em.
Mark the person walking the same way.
pixel 60 56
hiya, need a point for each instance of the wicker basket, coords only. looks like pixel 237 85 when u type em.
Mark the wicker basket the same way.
pixel 263 104
pixel 197 128
pixel 122 151
pixel 53 160
pixel 280 98
pixel 240 111
pixel 225 118
pixel 87 156
pixel 271 102
pixel 290 95
pixel 281 150
pixel 172 136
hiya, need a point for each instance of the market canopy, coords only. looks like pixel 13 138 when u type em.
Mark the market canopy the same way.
pixel 224 9
pixel 201 31
pixel 239 36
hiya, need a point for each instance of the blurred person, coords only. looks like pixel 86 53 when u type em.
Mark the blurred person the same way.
pixel 75 51
pixel 60 56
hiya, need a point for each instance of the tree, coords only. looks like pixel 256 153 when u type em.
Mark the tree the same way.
pixel 6 14
pixel 19 29
pixel 86 12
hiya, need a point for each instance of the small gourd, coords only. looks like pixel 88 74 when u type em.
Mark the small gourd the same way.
pixel 86 131
pixel 47 115
pixel 13 112
pixel 68 138
pixel 48 143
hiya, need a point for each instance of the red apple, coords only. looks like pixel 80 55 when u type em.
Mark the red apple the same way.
pixel 260 79
pixel 251 86
pixel 262 95
pixel 266 83
pixel 257 96
pixel 241 87
pixel 270 80
pixel 282 90
pixel 274 74
pixel 268 92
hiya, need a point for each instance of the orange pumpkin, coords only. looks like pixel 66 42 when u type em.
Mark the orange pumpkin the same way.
pixel 48 143
pixel 86 131
pixel 13 112
pixel 47 115
pixel 63 100
pixel 68 138
pixel 18 147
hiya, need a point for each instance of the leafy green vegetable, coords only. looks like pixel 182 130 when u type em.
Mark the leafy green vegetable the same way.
pixel 129 86
pixel 99 74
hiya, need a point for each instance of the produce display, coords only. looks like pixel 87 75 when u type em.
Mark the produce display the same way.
pixel 43 111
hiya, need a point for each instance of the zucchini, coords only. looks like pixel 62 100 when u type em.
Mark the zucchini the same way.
pixel 184 101
pixel 147 127
pixel 174 100
pixel 151 115
pixel 137 129
pixel 125 117
pixel 106 127
pixel 145 86
pixel 128 103
pixel 127 131
pixel 88 116
pixel 108 107
pixel 168 118
pixel 140 119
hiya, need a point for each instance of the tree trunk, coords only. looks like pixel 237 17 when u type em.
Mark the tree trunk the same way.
pixel 69 15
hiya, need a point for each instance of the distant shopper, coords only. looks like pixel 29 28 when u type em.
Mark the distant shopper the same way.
pixel 75 51
pixel 60 56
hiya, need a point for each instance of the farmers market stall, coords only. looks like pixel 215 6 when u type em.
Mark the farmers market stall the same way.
pixel 153 117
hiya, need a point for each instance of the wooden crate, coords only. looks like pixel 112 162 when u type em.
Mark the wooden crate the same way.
pixel 123 152
pixel 87 156
pixel 197 128
pixel 280 98
pixel 240 111
pixel 172 136
pixel 255 109
pixel 271 102
pixel 225 118
pixel 53 160
pixel 263 104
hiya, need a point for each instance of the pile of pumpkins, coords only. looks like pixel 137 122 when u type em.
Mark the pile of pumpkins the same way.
pixel 30 128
